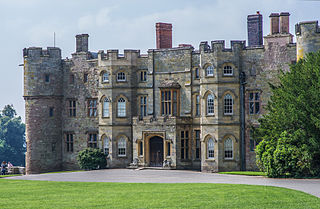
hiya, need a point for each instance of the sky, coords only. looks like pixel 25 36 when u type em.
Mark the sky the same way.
pixel 124 24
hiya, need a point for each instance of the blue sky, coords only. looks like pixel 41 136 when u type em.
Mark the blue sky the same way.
pixel 124 24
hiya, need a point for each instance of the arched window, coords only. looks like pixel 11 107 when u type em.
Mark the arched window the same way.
pixel 228 149
pixel 209 70
pixel 105 111
pixel 121 76
pixel 228 105
pixel 121 107
pixel 122 147
pixel 105 77
pixel 210 146
pixel 210 104
pixel 227 70
pixel 106 145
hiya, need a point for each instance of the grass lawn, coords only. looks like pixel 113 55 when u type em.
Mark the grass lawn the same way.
pixel 44 194
pixel 246 173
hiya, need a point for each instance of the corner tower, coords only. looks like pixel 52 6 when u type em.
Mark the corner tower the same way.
pixel 308 38
pixel 43 96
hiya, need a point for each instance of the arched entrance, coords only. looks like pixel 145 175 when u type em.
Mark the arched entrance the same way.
pixel 156 151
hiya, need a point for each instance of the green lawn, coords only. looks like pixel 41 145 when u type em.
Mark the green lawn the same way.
pixel 43 194
pixel 246 173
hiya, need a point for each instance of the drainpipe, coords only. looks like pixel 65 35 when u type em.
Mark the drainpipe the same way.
pixel 242 120
pixel 153 86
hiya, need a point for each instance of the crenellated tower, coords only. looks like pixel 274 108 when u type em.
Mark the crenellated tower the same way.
pixel 43 97
pixel 308 38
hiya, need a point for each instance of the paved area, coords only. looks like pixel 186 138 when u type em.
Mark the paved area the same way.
pixel 311 186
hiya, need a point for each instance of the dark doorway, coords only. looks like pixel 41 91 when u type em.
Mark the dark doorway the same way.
pixel 156 151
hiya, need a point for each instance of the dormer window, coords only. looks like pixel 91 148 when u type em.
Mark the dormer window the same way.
pixel 227 70
pixel 105 77
pixel 209 70
pixel 121 76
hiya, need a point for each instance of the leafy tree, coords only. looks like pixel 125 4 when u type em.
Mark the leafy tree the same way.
pixel 12 137
pixel 289 133
pixel 91 158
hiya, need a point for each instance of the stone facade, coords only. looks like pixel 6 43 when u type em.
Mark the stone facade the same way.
pixel 178 108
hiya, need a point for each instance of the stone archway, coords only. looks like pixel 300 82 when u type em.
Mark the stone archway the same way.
pixel 156 151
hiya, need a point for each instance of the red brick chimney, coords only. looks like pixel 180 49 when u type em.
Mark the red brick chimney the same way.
pixel 164 35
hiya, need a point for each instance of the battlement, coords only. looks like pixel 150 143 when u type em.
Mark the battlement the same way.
pixel 37 52
pixel 113 54
pixel 219 45
pixel 310 27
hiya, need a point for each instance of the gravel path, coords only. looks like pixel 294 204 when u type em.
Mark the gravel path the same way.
pixel 311 186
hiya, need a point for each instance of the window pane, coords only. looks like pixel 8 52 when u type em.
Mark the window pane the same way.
pixel 257 106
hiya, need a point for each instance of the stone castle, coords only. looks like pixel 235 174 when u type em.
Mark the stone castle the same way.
pixel 178 107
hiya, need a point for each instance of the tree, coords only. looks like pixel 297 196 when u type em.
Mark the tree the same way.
pixel 289 133
pixel 12 137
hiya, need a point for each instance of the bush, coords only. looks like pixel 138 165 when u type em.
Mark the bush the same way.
pixel 90 159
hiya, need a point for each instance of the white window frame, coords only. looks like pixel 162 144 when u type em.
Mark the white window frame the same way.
pixel 228 70
pixel 121 76
pixel 228 104
pixel 210 148
pixel 121 112
pixel 228 147
pixel 209 70
pixel 106 108
pixel 105 77
pixel 106 145
pixel 122 147
pixel 210 104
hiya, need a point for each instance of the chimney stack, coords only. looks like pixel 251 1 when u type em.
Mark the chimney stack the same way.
pixel 164 35
pixel 82 43
pixel 255 34
pixel 274 23
pixel 284 22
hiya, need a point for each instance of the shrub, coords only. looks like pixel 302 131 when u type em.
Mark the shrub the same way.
pixel 91 158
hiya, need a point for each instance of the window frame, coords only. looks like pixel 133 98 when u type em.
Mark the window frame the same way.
pixel 227 151
pixel 51 112
pixel 228 104
pixel 210 148
pixel 121 110
pixel 123 142
pixel 197 105
pixel 72 108
pixel 209 70
pixel 47 78
pixel 69 141
pixel 196 73
pixel 167 102
pixel 143 100
pixel 211 105
pixel 105 77
pixel 92 140
pixel 122 78
pixel 106 145
pixel 92 110
pixel 184 145
pixel 143 76
pixel 253 102
pixel 106 100
pixel 85 77
pixel 227 68
pixel 197 145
